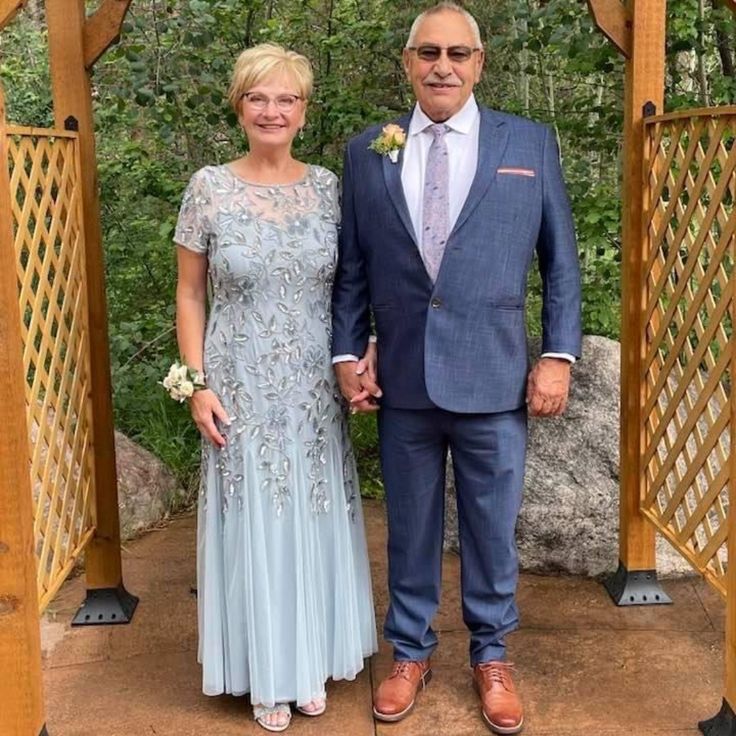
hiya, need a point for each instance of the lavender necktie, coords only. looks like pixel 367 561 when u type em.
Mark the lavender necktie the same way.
pixel 436 202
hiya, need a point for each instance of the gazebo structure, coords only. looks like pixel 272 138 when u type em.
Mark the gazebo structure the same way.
pixel 678 361
pixel 54 366
pixel 678 358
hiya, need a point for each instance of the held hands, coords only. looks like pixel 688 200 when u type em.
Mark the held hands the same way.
pixel 547 387
pixel 357 381
pixel 206 407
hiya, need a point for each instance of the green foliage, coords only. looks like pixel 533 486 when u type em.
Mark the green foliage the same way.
pixel 161 110
pixel 365 443
pixel 24 70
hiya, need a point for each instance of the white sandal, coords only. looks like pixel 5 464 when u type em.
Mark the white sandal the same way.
pixel 317 711
pixel 261 711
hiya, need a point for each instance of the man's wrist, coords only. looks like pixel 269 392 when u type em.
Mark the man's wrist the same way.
pixel 566 357
pixel 345 358
pixel 349 357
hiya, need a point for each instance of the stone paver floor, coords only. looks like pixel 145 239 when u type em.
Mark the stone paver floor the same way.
pixel 585 667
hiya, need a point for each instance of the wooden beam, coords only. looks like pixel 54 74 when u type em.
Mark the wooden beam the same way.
pixel 645 75
pixel 730 690
pixel 102 29
pixel 8 9
pixel 613 18
pixel 72 99
pixel 20 639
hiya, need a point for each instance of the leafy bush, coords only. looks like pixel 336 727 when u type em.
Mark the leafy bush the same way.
pixel 161 112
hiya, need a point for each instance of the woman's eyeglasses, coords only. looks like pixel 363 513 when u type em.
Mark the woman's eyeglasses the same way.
pixel 258 101
pixel 431 52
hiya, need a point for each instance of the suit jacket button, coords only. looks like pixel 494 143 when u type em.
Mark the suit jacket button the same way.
pixel 436 303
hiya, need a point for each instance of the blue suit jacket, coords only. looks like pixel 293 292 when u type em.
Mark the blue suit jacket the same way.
pixel 459 344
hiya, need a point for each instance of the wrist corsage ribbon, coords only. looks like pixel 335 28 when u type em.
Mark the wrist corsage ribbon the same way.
pixel 182 381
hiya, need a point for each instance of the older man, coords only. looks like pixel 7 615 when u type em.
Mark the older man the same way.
pixel 442 216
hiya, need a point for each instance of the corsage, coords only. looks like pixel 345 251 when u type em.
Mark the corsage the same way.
pixel 182 381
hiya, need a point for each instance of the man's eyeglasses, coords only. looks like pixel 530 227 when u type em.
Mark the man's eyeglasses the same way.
pixel 258 101
pixel 431 52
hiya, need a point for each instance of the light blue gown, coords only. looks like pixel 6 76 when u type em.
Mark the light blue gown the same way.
pixel 284 592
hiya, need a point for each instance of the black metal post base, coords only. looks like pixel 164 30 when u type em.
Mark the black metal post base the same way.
pixel 636 588
pixel 105 606
pixel 724 724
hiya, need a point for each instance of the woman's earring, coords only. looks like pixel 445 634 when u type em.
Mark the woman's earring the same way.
pixel 301 134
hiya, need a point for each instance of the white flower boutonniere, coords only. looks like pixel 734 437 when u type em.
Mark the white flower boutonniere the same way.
pixel 390 142
pixel 182 381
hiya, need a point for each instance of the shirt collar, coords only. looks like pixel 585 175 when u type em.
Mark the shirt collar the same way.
pixel 461 122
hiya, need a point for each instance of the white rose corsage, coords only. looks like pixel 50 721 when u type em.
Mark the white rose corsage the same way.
pixel 182 381
pixel 390 142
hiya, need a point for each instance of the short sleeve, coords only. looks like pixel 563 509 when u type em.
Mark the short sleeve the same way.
pixel 194 226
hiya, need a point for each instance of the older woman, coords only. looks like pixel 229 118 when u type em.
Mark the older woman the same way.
pixel 283 579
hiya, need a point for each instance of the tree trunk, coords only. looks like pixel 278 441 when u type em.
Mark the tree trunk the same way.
pixel 702 73
pixel 725 50
pixel 523 79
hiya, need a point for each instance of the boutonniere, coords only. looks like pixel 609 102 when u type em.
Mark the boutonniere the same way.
pixel 390 142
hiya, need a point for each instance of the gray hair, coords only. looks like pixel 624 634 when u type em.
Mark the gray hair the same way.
pixel 439 8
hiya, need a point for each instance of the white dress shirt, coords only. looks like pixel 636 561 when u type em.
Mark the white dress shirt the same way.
pixel 462 155
pixel 462 151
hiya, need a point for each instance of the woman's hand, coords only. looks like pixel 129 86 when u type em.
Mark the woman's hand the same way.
pixel 205 407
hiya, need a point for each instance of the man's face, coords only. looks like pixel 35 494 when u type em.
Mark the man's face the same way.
pixel 443 85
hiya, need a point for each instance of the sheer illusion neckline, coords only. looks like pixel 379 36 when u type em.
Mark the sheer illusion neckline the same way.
pixel 302 180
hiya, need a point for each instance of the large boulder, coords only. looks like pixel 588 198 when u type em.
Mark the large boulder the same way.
pixel 147 489
pixel 569 517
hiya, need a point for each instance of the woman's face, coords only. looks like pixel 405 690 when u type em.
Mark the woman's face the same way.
pixel 272 112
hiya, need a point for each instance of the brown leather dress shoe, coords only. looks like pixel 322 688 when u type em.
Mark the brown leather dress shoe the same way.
pixel 500 704
pixel 396 695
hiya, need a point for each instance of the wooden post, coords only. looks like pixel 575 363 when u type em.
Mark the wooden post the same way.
pixel 637 29
pixel 20 644
pixel 724 722
pixel 729 696
pixel 73 106
pixel 644 84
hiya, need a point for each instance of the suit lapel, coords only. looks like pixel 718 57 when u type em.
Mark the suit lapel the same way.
pixel 392 177
pixel 493 139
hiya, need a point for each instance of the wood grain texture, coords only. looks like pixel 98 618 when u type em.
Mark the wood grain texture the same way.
pixel 644 83
pixel 71 95
pixel 45 204
pixel 102 28
pixel 8 9
pixel 613 19
pixel 690 228
pixel 20 646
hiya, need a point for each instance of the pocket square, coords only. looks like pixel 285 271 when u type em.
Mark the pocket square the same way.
pixel 516 171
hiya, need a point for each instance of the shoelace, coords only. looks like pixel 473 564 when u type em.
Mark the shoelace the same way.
pixel 402 669
pixel 495 673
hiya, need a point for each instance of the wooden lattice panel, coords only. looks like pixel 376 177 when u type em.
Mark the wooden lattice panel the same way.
pixel 49 246
pixel 689 258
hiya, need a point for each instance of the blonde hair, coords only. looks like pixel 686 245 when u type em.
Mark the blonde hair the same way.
pixel 264 60
pixel 440 8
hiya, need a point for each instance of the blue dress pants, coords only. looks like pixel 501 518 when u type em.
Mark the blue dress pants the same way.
pixel 488 453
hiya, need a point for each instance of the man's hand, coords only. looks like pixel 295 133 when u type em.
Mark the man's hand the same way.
pixel 357 381
pixel 547 387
